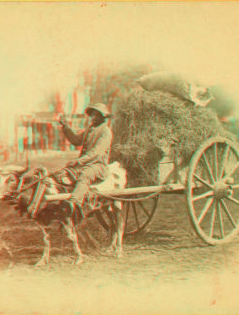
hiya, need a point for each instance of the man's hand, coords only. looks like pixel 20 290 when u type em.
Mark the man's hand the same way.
pixel 72 164
pixel 62 119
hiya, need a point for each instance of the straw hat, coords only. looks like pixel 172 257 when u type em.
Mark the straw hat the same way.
pixel 102 108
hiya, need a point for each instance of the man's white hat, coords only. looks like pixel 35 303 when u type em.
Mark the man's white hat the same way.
pixel 102 108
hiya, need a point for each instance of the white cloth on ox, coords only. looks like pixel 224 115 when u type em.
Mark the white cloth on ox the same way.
pixel 116 179
pixel 176 84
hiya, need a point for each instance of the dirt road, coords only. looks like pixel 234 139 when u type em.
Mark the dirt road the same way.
pixel 166 269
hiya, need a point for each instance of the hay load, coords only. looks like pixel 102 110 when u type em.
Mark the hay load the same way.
pixel 148 125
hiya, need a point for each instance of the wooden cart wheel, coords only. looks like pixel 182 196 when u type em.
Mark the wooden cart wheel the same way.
pixel 213 190
pixel 137 214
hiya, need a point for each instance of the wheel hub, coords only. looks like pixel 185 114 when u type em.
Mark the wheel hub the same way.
pixel 222 190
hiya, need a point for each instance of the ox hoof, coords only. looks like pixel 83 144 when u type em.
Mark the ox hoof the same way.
pixel 41 263
pixel 109 250
pixel 118 254
pixel 78 261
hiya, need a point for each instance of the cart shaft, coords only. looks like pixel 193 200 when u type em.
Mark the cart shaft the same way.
pixel 142 190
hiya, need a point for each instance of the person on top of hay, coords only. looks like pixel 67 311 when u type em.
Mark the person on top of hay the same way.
pixel 95 144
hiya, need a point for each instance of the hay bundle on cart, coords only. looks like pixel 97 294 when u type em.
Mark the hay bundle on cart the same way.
pixel 150 127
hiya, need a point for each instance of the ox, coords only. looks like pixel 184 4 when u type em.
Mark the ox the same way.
pixel 53 202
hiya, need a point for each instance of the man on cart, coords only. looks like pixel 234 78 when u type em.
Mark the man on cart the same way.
pixel 91 164
pixel 95 142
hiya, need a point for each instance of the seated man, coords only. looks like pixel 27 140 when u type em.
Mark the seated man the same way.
pixel 92 162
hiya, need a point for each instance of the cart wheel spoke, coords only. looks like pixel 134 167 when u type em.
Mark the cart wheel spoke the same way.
pixel 220 219
pixel 127 214
pixel 215 162
pixel 143 208
pixel 224 161
pixel 208 167
pixel 228 213
pixel 231 172
pixel 233 200
pixel 213 220
pixel 204 195
pixel 135 215
pixel 205 209
pixel 140 213
pixel 203 181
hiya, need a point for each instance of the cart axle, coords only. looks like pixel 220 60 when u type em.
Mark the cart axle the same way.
pixel 222 190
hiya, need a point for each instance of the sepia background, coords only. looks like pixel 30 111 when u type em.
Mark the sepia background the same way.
pixel 48 51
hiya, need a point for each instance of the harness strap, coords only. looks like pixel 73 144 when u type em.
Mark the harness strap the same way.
pixel 37 198
pixel 72 173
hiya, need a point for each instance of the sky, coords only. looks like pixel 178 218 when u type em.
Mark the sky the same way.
pixel 43 45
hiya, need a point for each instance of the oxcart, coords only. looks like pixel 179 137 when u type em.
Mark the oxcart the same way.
pixel 210 183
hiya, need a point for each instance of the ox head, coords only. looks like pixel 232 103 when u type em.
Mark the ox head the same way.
pixel 10 178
